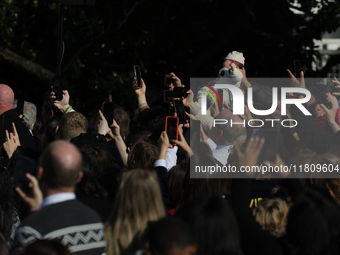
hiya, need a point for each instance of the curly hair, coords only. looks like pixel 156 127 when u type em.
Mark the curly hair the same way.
pixel 272 214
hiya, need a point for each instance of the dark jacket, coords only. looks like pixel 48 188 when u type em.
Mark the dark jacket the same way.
pixel 26 138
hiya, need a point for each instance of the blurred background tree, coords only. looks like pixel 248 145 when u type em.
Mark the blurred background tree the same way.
pixel 191 38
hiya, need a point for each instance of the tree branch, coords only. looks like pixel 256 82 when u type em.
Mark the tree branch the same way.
pixel 102 35
pixel 31 67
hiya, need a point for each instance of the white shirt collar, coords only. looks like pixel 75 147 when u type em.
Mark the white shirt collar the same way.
pixel 58 198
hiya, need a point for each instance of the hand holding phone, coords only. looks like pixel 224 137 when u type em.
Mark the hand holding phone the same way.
pixel 6 125
pixel 34 196
pixel 138 76
pixel 167 81
pixel 23 166
pixel 171 128
pixel 319 96
pixel 140 92
pixel 102 127
pixel 57 88
pixel 164 142
pixel 108 112
pixel 168 96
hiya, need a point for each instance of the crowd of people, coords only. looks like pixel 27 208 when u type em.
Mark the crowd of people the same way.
pixel 76 184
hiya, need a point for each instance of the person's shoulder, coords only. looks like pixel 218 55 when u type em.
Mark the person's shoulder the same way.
pixel 86 211
pixel 69 209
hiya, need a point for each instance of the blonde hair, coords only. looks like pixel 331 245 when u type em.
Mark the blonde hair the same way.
pixel 272 214
pixel 138 201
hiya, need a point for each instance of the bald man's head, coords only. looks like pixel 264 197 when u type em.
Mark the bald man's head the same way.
pixel 6 98
pixel 61 163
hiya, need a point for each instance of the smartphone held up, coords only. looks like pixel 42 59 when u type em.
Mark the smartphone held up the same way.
pixel 171 128
pixel 138 76
pixel 108 112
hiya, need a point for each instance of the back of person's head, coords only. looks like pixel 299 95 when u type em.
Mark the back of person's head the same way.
pixel 203 148
pixel 61 164
pixel 72 125
pixel 143 154
pixel 168 236
pixel 138 201
pixel 95 160
pixel 272 214
pixel 263 100
pixel 204 186
pixel 45 247
pixel 314 225
pixel 137 133
pixel 213 225
pixel 6 98
pixel 153 119
pixel 49 131
pixel 109 179
pixel 176 178
pixel 123 120
pixel 303 156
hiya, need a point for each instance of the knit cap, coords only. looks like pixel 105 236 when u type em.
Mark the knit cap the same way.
pixel 237 56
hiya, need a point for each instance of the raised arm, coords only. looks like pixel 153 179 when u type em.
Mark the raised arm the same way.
pixel 62 105
pixel 113 131
pixel 332 112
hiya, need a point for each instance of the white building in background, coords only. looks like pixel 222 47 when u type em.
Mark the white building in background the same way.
pixel 328 46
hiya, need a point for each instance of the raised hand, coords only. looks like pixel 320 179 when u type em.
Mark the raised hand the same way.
pixel 251 153
pixel 64 103
pixel 295 82
pixel 181 142
pixel 175 80
pixel 35 198
pixel 139 91
pixel 102 127
pixel 331 112
pixel 12 142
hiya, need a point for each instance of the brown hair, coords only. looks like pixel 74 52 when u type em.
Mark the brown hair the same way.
pixel 71 125
pixel 272 214
pixel 238 64
pixel 143 154
pixel 123 120
pixel 176 178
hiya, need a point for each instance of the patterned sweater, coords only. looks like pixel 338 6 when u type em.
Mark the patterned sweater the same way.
pixel 71 222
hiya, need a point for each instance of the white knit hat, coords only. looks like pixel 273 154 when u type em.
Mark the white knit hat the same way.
pixel 237 56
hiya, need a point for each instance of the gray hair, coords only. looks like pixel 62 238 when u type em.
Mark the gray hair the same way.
pixel 30 113
pixel 230 134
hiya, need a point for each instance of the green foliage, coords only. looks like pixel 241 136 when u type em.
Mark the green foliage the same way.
pixel 190 38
